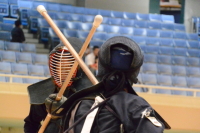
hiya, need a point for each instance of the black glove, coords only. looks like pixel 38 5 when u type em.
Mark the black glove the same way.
pixel 51 104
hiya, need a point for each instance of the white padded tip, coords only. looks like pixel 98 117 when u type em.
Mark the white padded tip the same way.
pixel 97 20
pixel 41 9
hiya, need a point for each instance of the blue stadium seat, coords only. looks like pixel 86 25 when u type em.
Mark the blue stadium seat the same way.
pixel 126 30
pixel 179 70
pixel 150 58
pixel 79 10
pixel 25 4
pixel 82 35
pixel 193 82
pixel 5 35
pixel 40 59
pixel 164 69
pixel 67 8
pixel 180 43
pixel 2 46
pixel 75 17
pixel 129 15
pixel 1 18
pixel 34 13
pixel 30 48
pixel 164 59
pixel 155 17
pixel 141 16
pixel 151 49
pixel 46 71
pixel 179 27
pixel 4 9
pixel 35 70
pixel 3 79
pixel 164 80
pixel 72 25
pixel 139 40
pixel 12 46
pixel 105 20
pixel 166 50
pixel 193 71
pixel 100 36
pixel 88 19
pixel 85 26
pixel 69 33
pixel 167 26
pixel 105 13
pixel 193 53
pixel 8 56
pixel 115 21
pixel 5 67
pixel 149 79
pixel 103 28
pixel 35 4
pixel 193 36
pixel 127 22
pixel 149 68
pixel 166 42
pixel 180 35
pixel 140 24
pixel 179 60
pixel 113 29
pixel 62 16
pixel 6 27
pixel 180 52
pixel 179 81
pixel 153 33
pixel 192 61
pixel 152 41
pixel 43 29
pixel 166 34
pixel 53 38
pixel 53 7
pixel 33 25
pixel 96 43
pixel 17 80
pixel 167 18
pixel 140 32
pixel 108 36
pixel 61 24
pixel 117 14
pixel 13 8
pixel 30 80
pixel 91 11
pixel 24 15
pixel 153 25
pixel 25 58
pixel 20 69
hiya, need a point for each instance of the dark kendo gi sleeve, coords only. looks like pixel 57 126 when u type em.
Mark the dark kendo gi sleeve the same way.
pixel 129 108
pixel 36 115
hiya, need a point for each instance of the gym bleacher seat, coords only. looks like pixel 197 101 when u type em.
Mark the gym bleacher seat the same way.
pixel 4 8
pixel 19 69
pixel 13 8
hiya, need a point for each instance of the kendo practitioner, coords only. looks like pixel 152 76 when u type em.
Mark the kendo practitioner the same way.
pixel 112 106
pixel 60 62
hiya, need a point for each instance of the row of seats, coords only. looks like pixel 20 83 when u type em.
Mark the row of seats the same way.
pixel 25 58
pixel 19 80
pixel 6 27
pixel 89 11
pixel 24 69
pixel 5 35
pixel 106 20
pixel 9 8
pixel 20 47
pixel 172 60
pixel 171 81
pixel 175 70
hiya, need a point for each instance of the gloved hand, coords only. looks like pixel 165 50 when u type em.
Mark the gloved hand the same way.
pixel 51 104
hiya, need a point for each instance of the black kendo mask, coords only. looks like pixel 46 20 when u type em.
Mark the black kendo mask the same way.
pixel 120 58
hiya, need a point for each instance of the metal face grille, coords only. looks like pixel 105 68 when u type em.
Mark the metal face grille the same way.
pixel 60 64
